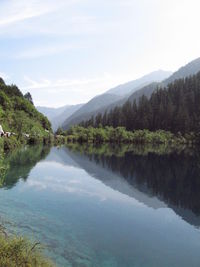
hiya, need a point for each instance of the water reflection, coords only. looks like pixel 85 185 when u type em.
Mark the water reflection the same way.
pixel 172 177
pixel 20 162
pixel 106 206
pixel 154 176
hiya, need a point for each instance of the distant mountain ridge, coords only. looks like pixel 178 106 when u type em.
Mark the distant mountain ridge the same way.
pixel 58 115
pixel 50 112
pixel 129 87
pixel 117 96
pixel 58 120
pixel 94 104
pixel 189 69
pixel 114 96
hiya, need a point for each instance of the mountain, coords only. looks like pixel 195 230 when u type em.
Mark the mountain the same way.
pixel 49 112
pixel 190 69
pixel 146 90
pixel 174 108
pixel 150 186
pixel 86 110
pixel 58 120
pixel 124 89
pixel 18 114
pixel 58 115
pixel 110 177
pixel 115 96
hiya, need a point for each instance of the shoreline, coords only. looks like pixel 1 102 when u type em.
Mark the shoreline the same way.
pixel 119 135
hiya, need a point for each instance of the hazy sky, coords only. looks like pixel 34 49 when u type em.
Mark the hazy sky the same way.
pixel 67 51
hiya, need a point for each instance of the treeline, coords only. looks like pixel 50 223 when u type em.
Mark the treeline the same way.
pixel 175 108
pixel 18 113
pixel 173 177
pixel 19 117
pixel 120 135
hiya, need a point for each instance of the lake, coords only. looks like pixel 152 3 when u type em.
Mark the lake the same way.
pixel 105 206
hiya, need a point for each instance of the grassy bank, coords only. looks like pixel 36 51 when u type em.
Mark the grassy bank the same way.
pixel 16 251
pixel 12 142
pixel 121 135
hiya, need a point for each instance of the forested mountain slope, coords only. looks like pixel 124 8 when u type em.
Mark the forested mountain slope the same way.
pixel 174 108
pixel 114 97
pixel 17 114
pixel 190 69
pixel 86 110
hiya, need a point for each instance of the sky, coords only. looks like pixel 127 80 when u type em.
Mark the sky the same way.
pixel 67 51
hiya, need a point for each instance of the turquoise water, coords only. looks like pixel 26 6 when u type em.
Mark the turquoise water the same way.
pixel 92 209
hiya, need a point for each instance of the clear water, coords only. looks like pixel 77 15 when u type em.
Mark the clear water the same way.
pixel 105 209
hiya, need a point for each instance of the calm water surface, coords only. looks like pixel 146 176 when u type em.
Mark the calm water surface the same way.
pixel 104 208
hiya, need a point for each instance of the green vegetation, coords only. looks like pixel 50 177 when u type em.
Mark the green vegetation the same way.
pixel 172 175
pixel 3 169
pixel 174 108
pixel 121 135
pixel 19 116
pixel 17 164
pixel 16 251
pixel 171 116
pixel 108 149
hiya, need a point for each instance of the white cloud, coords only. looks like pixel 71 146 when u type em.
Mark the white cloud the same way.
pixel 67 182
pixel 126 38
pixel 63 83
pixel 28 17
pixel 40 51
pixel 73 91
pixel 13 11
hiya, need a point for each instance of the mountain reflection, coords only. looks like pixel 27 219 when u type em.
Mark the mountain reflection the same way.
pixel 154 176
pixel 173 177
pixel 20 162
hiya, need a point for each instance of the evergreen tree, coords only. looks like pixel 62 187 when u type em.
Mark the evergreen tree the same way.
pixel 29 97
pixel 175 108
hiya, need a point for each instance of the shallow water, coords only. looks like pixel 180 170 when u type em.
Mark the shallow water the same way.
pixel 105 209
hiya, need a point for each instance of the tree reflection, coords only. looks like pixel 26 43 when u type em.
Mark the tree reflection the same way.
pixel 20 162
pixel 171 176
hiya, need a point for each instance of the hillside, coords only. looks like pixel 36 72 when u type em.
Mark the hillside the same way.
pixel 57 116
pixel 174 108
pixel 130 87
pixel 18 114
pixel 58 120
pixel 51 113
pixel 190 69
pixel 86 110
pixel 114 97
pixel 146 90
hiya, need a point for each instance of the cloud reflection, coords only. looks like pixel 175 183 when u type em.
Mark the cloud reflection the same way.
pixel 71 180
